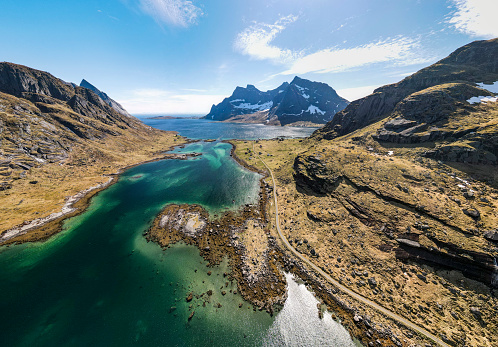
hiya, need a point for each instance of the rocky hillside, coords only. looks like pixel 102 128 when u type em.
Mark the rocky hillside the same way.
pixel 299 101
pixel 397 198
pixel 460 71
pixel 51 130
pixel 114 104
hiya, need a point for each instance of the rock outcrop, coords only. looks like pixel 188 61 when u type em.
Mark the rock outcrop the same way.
pixel 426 90
pixel 298 101
pixel 42 118
pixel 114 104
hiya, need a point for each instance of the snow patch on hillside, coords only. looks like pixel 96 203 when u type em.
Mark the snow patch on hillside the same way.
pixel 255 107
pixel 493 88
pixel 302 90
pixel 479 99
pixel 313 109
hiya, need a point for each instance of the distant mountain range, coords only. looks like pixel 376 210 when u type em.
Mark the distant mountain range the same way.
pixel 296 103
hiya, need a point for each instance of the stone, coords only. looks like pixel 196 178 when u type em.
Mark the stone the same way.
pixel 372 281
pixel 469 194
pixel 491 235
pixel 475 311
pixel 422 277
pixel 472 212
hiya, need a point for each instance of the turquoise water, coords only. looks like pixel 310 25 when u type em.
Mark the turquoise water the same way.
pixel 206 129
pixel 100 283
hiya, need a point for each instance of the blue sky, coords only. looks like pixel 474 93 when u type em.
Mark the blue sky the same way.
pixel 180 57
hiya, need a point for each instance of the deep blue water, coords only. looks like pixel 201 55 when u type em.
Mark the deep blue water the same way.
pixel 206 129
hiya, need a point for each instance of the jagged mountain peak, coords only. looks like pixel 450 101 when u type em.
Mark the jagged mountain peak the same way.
pixel 299 101
pixel 112 103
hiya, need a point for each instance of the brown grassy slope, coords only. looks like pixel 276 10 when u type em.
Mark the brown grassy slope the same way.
pixel 470 64
pixel 344 203
pixel 49 152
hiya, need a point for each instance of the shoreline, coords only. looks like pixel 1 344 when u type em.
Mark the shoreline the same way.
pixel 40 229
pixel 226 243
pixel 222 237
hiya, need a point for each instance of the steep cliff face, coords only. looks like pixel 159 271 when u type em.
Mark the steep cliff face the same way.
pixel 42 119
pixel 112 103
pixel 299 101
pixel 309 101
pixel 470 64
pixel 27 83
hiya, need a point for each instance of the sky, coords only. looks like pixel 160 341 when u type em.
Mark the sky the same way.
pixel 180 57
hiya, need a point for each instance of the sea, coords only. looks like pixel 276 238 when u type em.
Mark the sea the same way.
pixel 100 283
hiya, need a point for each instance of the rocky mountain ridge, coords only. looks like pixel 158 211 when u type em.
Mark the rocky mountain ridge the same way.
pixel 450 103
pixel 468 65
pixel 299 101
pixel 42 118
pixel 114 104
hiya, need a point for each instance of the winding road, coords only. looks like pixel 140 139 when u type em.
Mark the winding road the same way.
pixel 341 287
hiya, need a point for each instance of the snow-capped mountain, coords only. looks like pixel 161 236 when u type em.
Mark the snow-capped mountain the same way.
pixel 300 101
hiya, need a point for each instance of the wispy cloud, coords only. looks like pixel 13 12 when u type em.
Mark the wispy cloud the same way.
pixel 179 13
pixel 475 17
pixel 158 101
pixel 255 41
pixel 399 50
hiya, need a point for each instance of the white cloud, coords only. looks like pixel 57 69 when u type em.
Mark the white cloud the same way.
pixel 356 93
pixel 475 17
pixel 399 50
pixel 158 101
pixel 180 13
pixel 255 41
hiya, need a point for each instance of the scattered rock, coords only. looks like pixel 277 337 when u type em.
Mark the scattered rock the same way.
pixel 189 297
pixel 476 312
pixel 491 235
pixel 469 194
pixel 372 281
pixel 472 212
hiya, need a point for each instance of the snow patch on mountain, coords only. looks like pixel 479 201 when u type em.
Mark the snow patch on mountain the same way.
pixel 493 88
pixel 480 99
pixel 255 107
pixel 313 109
pixel 302 90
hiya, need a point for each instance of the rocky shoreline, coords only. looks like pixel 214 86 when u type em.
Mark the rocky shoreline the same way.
pixel 262 284
pixel 266 288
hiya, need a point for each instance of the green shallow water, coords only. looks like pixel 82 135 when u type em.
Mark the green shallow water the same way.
pixel 100 283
